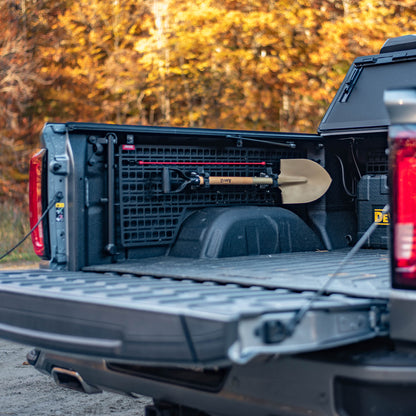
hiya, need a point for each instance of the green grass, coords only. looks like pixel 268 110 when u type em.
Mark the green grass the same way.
pixel 14 225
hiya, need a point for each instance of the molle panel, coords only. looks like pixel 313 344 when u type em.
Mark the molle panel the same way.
pixel 151 215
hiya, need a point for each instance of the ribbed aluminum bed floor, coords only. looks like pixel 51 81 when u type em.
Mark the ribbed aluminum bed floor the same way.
pixel 367 274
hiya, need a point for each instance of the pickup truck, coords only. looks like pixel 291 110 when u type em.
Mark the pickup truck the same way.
pixel 226 272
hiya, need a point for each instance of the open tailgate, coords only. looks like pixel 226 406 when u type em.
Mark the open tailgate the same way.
pixel 175 321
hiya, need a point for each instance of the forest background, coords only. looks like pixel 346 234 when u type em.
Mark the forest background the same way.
pixel 246 64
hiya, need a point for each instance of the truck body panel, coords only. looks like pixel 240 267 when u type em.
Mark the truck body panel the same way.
pixel 356 380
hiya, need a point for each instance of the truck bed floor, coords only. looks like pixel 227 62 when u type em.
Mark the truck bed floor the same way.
pixel 367 274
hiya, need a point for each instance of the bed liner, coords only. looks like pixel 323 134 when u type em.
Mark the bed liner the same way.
pixel 367 274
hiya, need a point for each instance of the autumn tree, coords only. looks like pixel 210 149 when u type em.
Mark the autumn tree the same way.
pixel 260 65
pixel 92 67
pixel 249 64
pixel 18 82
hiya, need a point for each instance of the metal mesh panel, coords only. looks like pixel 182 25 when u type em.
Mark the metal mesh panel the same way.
pixel 377 162
pixel 148 216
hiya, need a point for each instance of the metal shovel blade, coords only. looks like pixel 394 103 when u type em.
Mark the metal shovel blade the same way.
pixel 302 181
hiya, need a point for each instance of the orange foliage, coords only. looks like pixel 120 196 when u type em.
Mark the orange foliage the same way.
pixel 245 64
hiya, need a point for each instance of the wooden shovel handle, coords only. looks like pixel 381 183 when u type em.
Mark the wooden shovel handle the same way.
pixel 253 180
pixel 237 180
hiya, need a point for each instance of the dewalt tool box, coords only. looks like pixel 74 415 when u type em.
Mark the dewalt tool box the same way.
pixel 372 196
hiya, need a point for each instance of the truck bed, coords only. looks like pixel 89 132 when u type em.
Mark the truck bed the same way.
pixel 366 275
pixel 197 312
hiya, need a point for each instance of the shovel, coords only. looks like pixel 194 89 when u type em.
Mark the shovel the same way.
pixel 300 180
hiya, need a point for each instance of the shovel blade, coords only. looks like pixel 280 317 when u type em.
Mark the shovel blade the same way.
pixel 316 183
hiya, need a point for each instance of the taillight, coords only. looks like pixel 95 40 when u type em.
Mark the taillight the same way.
pixel 403 174
pixel 35 201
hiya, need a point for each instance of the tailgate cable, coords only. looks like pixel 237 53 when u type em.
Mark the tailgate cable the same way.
pixel 289 327
pixel 58 196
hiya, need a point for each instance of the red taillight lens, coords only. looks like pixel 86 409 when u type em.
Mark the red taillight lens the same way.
pixel 403 164
pixel 35 201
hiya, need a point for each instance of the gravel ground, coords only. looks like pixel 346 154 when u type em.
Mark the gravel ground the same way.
pixel 25 391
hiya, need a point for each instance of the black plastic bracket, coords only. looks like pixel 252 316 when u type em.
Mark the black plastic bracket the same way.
pixel 110 248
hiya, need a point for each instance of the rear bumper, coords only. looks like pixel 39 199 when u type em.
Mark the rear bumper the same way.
pixel 369 379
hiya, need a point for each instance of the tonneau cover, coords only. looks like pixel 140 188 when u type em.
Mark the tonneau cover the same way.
pixel 358 104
